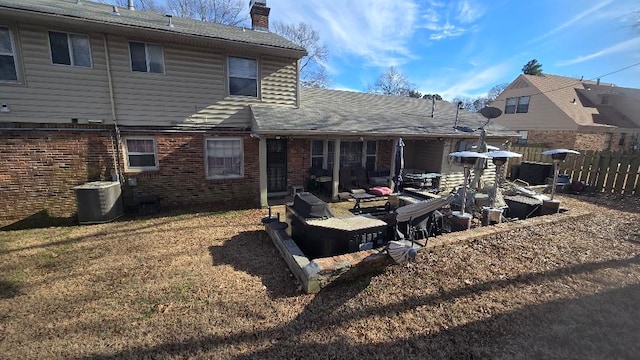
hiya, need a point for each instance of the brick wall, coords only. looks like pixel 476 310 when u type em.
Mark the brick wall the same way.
pixel 40 169
pixel 553 139
pixel 385 151
pixel 298 161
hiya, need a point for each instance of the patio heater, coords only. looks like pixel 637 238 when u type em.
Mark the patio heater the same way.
pixel 492 215
pixel 558 155
pixel 461 219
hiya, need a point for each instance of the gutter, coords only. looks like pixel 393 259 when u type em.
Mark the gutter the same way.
pixel 299 133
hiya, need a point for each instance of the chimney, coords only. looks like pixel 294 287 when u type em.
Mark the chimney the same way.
pixel 131 7
pixel 433 105
pixel 259 15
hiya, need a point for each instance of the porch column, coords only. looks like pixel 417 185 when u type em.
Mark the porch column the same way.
pixel 336 170
pixel 262 160
pixel 392 171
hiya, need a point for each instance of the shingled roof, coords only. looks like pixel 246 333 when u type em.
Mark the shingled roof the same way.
pixel 101 13
pixel 336 112
pixel 568 94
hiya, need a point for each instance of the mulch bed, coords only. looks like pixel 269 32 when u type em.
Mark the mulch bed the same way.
pixel 212 285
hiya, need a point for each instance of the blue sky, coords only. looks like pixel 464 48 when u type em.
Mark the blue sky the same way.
pixel 463 48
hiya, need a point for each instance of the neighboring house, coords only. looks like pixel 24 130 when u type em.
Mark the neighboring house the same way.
pixel 558 111
pixel 196 113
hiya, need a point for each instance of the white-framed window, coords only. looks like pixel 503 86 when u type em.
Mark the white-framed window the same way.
pixel 523 104
pixel 370 155
pixel 322 154
pixel 8 67
pixel 243 76
pixel 70 49
pixel 524 136
pixel 517 105
pixel 141 153
pixel 146 57
pixel 224 158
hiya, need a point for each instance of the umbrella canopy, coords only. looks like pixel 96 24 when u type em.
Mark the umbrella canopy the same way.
pixel 399 165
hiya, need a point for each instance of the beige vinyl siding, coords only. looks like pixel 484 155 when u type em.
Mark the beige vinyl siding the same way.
pixel 279 81
pixel 543 114
pixel 193 89
pixel 55 93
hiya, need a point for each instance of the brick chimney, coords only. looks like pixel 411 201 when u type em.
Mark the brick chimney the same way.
pixel 259 15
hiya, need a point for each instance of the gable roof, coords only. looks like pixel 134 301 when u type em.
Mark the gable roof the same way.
pixel 102 13
pixel 569 95
pixel 337 112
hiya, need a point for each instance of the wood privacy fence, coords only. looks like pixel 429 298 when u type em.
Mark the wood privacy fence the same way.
pixel 610 172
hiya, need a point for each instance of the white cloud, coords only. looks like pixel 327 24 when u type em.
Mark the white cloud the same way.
pixel 446 31
pixel 469 84
pixel 573 20
pixel 468 13
pixel 377 31
pixel 629 45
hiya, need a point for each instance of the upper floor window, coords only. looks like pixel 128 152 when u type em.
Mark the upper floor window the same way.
pixel 243 76
pixel 141 153
pixel 524 136
pixel 517 105
pixel 8 70
pixel 224 158
pixel 70 49
pixel 146 57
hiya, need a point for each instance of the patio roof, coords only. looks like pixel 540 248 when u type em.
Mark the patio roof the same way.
pixel 325 112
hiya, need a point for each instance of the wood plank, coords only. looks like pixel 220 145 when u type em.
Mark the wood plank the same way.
pixel 603 168
pixel 593 168
pixel 614 164
pixel 623 172
pixel 633 176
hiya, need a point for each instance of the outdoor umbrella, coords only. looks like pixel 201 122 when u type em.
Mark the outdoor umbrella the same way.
pixel 399 165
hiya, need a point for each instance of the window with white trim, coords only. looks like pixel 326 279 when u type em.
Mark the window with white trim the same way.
pixel 517 105
pixel 243 76
pixel 141 153
pixel 70 49
pixel 224 158
pixel 524 136
pixel 353 154
pixel 146 57
pixel 317 154
pixel 370 155
pixel 8 68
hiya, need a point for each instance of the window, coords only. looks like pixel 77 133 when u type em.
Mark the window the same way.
pixel 70 49
pixel 141 153
pixel 524 136
pixel 146 57
pixel 8 70
pixel 317 154
pixel 523 104
pixel 370 161
pixel 621 140
pixel 224 158
pixel 322 154
pixel 351 154
pixel 510 107
pixel 243 76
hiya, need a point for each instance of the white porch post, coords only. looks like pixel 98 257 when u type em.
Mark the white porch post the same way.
pixel 336 170
pixel 392 171
pixel 262 159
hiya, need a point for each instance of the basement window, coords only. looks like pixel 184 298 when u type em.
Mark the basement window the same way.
pixel 70 49
pixel 8 70
pixel 224 158
pixel 141 153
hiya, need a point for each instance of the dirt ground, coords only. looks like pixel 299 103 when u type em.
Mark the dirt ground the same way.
pixel 213 286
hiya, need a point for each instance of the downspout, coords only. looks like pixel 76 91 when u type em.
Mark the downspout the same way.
pixel 298 84
pixel 116 152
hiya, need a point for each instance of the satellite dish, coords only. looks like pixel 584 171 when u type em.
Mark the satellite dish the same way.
pixel 490 112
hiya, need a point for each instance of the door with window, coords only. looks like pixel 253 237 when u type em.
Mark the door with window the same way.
pixel 276 165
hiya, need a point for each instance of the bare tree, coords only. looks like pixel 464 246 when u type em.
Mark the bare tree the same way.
pixel 391 82
pixel 495 91
pixel 313 72
pixel 227 12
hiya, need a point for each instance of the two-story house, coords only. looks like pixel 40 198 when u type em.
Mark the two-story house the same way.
pixel 564 112
pixel 193 112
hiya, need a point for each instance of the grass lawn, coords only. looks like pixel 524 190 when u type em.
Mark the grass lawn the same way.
pixel 213 286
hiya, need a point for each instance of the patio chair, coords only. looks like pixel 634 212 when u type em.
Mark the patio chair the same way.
pixel 345 181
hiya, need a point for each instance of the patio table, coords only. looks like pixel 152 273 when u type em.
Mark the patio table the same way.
pixel 364 197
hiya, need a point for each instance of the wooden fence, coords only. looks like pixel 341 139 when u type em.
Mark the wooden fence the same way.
pixel 610 172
